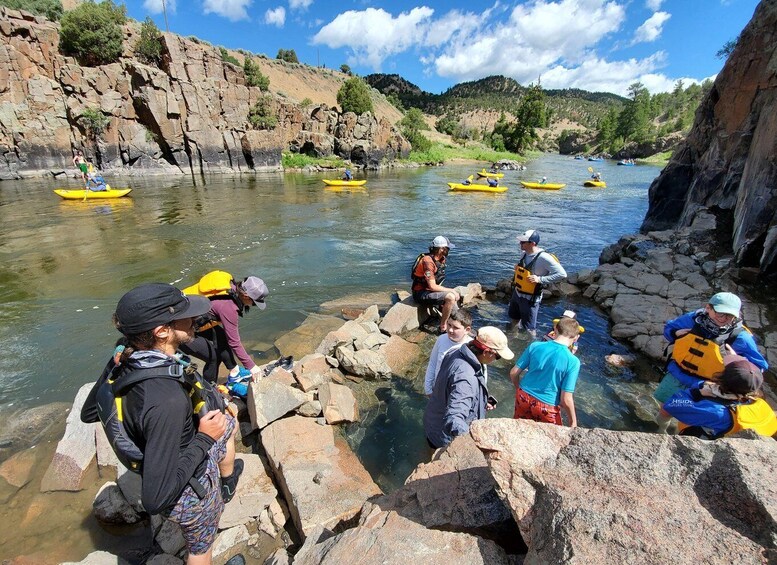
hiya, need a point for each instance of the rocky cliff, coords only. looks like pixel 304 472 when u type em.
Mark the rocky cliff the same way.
pixel 727 163
pixel 190 115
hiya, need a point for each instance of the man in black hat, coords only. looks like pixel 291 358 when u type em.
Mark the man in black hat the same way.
pixel 187 459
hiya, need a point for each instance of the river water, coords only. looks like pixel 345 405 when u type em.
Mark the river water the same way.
pixel 65 264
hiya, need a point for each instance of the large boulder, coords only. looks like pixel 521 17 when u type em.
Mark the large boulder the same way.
pixel 726 161
pixel 255 493
pixel 322 480
pixel 387 538
pixel 338 403
pixel 598 496
pixel 456 492
pixel 269 400
pixel 76 451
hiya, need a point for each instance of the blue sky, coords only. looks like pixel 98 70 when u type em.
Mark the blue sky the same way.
pixel 598 45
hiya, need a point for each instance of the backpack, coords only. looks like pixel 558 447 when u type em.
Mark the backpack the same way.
pixel 110 398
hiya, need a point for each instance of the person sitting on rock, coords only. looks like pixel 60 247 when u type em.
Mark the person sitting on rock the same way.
pixel 696 339
pixel 550 372
pixel 460 395
pixel 731 403
pixel 428 274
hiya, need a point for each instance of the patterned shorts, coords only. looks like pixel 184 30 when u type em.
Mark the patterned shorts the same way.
pixel 529 408
pixel 199 518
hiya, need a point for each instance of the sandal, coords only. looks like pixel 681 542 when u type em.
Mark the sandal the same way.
pixel 229 484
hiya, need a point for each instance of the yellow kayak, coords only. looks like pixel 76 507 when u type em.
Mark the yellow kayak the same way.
pixel 92 195
pixel 542 186
pixel 340 182
pixel 486 175
pixel 476 187
pixel 595 183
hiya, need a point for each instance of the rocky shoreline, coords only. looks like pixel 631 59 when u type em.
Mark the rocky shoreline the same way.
pixel 509 491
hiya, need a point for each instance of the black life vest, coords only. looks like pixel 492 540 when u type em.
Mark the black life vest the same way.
pixel 439 276
pixel 110 399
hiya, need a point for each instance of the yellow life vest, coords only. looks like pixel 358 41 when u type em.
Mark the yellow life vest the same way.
pixel 215 283
pixel 757 416
pixel 698 356
pixel 701 357
pixel 521 276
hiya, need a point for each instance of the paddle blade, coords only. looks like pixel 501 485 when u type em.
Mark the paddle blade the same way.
pixel 590 169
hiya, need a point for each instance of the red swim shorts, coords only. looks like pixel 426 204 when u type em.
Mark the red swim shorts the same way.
pixel 529 408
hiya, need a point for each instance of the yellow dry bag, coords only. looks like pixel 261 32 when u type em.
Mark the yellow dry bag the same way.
pixel 214 283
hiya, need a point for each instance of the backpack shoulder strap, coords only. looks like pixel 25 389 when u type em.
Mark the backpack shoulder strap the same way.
pixel 130 377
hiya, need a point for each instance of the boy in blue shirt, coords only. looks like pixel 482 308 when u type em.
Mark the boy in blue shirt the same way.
pixel 550 372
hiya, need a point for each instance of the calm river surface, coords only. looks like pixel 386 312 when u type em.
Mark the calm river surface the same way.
pixel 65 264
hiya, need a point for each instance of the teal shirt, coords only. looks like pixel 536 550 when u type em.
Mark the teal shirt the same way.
pixel 552 368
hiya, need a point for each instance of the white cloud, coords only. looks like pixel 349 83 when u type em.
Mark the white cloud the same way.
pixel 233 10
pixel 374 34
pixel 557 40
pixel 654 5
pixel 155 6
pixel 651 29
pixel 300 4
pixel 275 16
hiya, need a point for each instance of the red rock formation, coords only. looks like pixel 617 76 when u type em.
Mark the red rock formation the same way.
pixel 727 164
pixel 188 116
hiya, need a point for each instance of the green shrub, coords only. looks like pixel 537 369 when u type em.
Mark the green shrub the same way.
pixel 288 55
pixel 149 47
pixel 354 96
pixel 299 160
pixel 261 115
pixel 306 102
pixel 92 32
pixel 51 9
pixel 227 58
pixel 345 69
pixel 94 122
pixel 254 76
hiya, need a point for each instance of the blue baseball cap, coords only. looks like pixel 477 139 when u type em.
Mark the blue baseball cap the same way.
pixel 726 303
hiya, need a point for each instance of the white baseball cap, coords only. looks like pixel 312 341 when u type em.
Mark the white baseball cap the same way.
pixel 442 241
pixel 495 339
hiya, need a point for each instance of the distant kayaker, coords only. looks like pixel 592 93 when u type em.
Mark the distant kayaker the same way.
pixel 348 175
pixel 535 269
pixel 95 183
pixel 428 274
pixel 597 176
pixel 492 182
pixel 693 360
pixel 81 164
pixel 544 180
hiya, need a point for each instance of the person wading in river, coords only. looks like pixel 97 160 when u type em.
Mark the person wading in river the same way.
pixel 535 269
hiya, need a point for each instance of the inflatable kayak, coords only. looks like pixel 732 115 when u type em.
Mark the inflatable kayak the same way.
pixel 486 175
pixel 476 187
pixel 340 182
pixel 625 164
pixel 91 194
pixel 595 183
pixel 542 186
pixel 595 159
